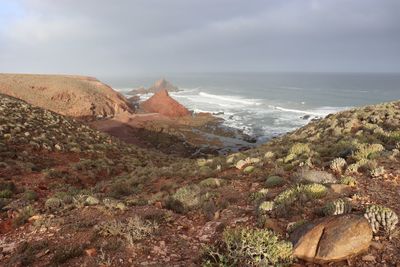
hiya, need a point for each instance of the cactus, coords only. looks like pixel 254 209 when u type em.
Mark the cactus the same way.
pixel 348 180
pixel 256 196
pixel 378 171
pixel 314 190
pixel 337 207
pixel 338 164
pixel 380 216
pixel 352 168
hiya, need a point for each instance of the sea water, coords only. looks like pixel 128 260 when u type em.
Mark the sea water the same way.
pixel 269 104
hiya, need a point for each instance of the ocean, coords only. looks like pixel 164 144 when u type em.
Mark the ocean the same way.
pixel 265 105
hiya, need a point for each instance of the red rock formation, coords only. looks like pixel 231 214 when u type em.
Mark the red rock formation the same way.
pixel 162 103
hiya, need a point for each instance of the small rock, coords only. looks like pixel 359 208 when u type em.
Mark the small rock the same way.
pixel 91 252
pixel 314 176
pixel 341 189
pixel 376 245
pixel 368 257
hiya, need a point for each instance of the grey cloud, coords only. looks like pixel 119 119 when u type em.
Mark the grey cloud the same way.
pixel 100 38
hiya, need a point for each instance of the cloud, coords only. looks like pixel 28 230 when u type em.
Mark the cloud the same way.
pixel 100 37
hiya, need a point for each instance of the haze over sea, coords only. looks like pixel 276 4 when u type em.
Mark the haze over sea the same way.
pixel 270 104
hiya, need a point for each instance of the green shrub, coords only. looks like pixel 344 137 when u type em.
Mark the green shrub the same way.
pixel 30 195
pixel 185 198
pixel 6 193
pixel 250 247
pixel 300 149
pixel 132 230
pixel 23 215
pixel 212 182
pixel 53 204
pixel 248 169
pixel 64 253
pixel 274 181
pixel 348 180
pixel 259 195
pixel 8 186
pixel 367 151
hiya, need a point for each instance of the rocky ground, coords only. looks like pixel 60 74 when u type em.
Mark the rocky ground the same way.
pixel 325 194
pixel 164 124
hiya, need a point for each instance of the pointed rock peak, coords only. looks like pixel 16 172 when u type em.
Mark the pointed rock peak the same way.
pixel 162 103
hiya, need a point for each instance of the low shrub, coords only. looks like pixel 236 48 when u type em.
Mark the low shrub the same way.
pixel 249 247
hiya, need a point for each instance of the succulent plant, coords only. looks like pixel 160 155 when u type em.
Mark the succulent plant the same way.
pixel 314 191
pixel 348 180
pixel 250 247
pixel 265 206
pixel 248 169
pixel 337 207
pixel 274 181
pixel 381 217
pixel 53 203
pixel 378 171
pixel 256 196
pixel 338 164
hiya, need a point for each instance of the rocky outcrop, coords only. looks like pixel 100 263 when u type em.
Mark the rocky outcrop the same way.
pixel 332 238
pixel 156 87
pixel 162 103
pixel 76 96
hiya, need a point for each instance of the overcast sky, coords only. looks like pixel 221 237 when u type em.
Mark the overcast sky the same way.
pixel 125 37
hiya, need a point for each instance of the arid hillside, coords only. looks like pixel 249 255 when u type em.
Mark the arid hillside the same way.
pixel 325 194
pixel 76 96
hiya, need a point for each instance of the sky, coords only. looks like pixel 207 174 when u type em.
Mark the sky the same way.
pixel 126 37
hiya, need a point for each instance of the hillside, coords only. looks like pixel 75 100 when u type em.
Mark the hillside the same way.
pixel 76 96
pixel 73 196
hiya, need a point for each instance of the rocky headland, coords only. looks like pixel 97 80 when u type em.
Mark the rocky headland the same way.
pixel 325 194
pixel 159 85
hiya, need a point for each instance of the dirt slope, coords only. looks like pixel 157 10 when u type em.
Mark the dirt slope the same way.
pixel 76 96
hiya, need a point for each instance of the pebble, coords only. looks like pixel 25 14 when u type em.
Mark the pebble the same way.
pixel 368 258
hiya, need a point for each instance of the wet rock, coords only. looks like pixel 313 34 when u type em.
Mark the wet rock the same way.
pixel 332 238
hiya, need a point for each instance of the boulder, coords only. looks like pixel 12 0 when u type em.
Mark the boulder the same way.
pixel 332 238
pixel 163 104
pixel 314 176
